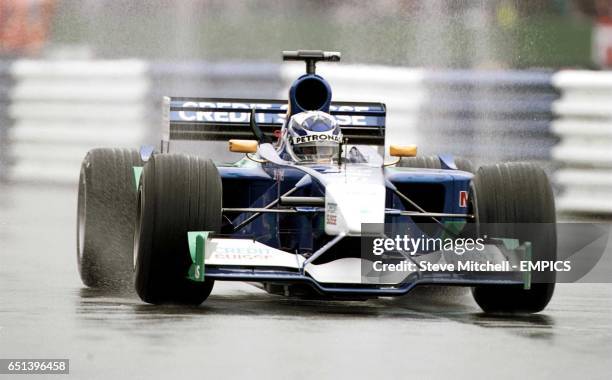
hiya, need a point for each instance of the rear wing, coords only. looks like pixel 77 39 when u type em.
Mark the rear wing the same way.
pixel 224 119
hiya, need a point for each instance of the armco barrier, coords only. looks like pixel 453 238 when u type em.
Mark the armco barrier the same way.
pixel 6 83
pixel 399 88
pixel 584 124
pixel 52 112
pixel 61 109
pixel 215 79
pixel 487 116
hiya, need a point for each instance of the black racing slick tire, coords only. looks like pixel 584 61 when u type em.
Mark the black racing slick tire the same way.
pixel 515 200
pixel 433 162
pixel 106 214
pixel 177 194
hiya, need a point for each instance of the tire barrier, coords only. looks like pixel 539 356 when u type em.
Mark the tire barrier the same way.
pixel 486 116
pixel 215 79
pixel 399 88
pixel 6 83
pixel 584 126
pixel 53 112
pixel 489 116
pixel 61 109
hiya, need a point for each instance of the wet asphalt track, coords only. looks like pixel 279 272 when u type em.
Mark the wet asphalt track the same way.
pixel 243 332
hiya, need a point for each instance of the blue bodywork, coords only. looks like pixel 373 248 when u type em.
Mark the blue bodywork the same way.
pixel 247 184
pixel 257 186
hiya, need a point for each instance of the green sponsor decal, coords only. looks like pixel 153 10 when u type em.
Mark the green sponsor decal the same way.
pixel 526 250
pixel 509 244
pixel 452 229
pixel 137 171
pixel 197 242
pixel 527 274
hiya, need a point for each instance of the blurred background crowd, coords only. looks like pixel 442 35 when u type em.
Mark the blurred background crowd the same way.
pixel 432 33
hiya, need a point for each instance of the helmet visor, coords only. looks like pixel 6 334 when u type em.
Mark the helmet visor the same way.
pixel 320 152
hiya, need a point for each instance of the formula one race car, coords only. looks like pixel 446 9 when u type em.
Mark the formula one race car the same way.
pixel 309 206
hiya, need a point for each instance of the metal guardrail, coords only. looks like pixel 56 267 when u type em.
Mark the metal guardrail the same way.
pixel 52 112
pixel 401 89
pixel 6 83
pixel 584 125
pixel 61 109
pixel 489 116
pixel 215 79
pixel 210 79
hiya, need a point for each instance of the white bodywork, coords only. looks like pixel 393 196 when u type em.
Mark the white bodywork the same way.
pixel 245 252
pixel 354 196
pixel 249 253
pixel 354 193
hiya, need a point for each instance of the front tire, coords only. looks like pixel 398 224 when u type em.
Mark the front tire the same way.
pixel 509 199
pixel 177 194
pixel 106 215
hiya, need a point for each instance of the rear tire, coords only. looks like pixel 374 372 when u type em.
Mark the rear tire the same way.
pixel 433 162
pixel 511 194
pixel 106 214
pixel 177 194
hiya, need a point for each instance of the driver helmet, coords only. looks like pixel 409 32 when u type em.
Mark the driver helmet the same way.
pixel 312 137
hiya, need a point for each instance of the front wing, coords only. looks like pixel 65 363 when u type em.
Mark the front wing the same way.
pixel 247 260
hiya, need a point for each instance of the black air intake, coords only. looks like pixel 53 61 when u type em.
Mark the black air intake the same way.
pixel 310 93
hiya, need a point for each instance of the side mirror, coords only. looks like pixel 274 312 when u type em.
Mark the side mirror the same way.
pixel 243 146
pixel 403 150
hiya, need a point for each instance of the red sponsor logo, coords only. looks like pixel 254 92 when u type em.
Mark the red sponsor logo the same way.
pixel 463 198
